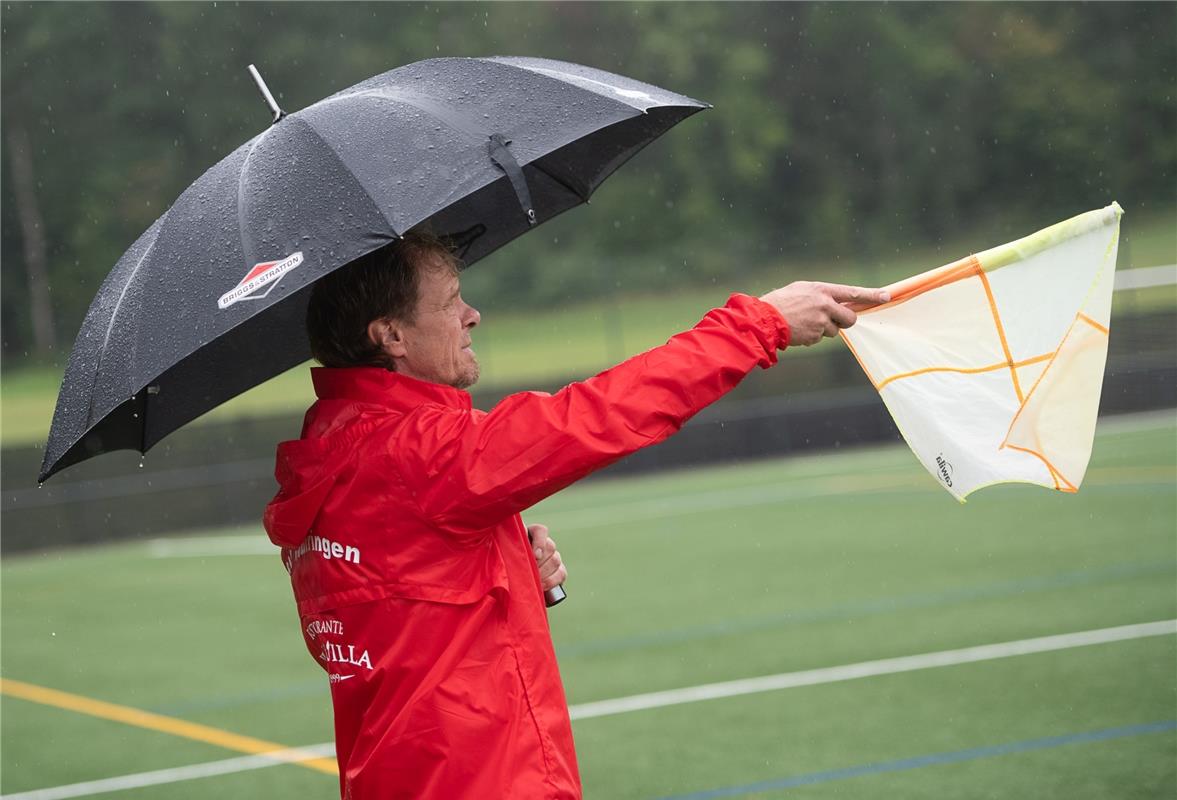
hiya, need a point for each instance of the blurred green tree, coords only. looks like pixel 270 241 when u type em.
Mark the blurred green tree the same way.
pixel 840 131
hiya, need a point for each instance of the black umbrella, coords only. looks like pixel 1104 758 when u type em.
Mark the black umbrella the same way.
pixel 211 300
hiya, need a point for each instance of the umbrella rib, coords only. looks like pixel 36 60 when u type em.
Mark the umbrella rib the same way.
pixel 572 79
pixel 471 128
pixel 246 243
pixel 110 324
pixel 426 106
pixel 456 122
pixel 423 104
pixel 560 179
pixel 327 145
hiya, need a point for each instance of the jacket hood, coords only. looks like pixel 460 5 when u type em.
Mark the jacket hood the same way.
pixel 306 471
pixel 303 486
pixel 353 401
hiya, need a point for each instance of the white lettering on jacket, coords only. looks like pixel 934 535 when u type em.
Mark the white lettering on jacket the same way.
pixel 325 547
pixel 344 654
pixel 318 626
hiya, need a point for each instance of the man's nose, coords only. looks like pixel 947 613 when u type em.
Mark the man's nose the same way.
pixel 472 316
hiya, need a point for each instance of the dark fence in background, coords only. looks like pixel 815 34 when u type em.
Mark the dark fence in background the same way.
pixel 221 473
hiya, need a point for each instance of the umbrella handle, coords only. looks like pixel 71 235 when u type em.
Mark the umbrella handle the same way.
pixel 555 595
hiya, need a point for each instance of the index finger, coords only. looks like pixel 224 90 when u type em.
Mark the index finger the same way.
pixel 856 296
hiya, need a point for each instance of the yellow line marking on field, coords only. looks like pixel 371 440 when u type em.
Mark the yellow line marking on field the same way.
pixel 159 722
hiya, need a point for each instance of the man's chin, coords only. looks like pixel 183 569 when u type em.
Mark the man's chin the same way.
pixel 469 376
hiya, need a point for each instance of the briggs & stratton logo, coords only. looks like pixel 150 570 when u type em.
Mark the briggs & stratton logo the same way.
pixel 263 276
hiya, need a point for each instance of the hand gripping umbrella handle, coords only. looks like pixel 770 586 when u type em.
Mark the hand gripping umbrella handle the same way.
pixel 555 595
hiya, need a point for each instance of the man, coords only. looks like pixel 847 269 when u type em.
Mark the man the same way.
pixel 398 516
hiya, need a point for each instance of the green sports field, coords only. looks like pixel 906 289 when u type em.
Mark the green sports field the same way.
pixel 685 579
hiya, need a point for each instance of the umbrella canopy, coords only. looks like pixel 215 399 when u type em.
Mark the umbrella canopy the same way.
pixel 211 300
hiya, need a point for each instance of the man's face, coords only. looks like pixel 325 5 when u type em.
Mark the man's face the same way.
pixel 436 344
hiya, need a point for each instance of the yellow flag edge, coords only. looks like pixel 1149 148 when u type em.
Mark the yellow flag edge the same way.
pixel 1001 256
pixel 1020 249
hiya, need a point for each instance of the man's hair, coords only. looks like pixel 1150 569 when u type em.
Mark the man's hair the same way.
pixel 381 284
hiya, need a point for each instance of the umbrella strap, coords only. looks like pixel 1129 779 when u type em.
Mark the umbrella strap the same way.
pixel 507 163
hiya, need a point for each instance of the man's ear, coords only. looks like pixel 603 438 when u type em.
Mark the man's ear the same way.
pixel 386 334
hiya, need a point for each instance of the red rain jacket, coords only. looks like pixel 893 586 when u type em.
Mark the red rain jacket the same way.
pixel 418 594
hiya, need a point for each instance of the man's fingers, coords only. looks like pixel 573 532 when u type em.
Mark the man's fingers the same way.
pixel 538 536
pixel 550 565
pixel 547 558
pixel 544 551
pixel 554 578
pixel 857 295
pixel 842 316
pixel 814 310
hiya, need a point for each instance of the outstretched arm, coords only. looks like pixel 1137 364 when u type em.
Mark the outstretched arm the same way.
pixel 467 471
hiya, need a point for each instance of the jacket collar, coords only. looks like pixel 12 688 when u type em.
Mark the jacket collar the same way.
pixel 378 386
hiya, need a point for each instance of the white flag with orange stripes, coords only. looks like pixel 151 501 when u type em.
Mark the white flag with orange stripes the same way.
pixel 992 366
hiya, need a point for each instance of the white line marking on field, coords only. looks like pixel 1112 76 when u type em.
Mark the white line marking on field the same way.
pixel 909 479
pixel 207 546
pixel 176 774
pixel 868 669
pixel 736 497
pixel 1146 277
pixel 1137 421
pixel 850 485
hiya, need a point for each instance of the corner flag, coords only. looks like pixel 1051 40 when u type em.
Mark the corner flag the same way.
pixel 992 366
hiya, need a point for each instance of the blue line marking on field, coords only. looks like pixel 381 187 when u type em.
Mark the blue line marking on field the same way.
pixel 933 759
pixel 869 607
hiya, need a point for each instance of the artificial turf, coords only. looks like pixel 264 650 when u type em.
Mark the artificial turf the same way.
pixel 679 579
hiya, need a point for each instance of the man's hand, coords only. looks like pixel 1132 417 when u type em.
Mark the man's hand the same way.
pixel 814 310
pixel 547 557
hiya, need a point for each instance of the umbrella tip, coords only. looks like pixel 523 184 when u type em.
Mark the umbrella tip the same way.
pixel 265 90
